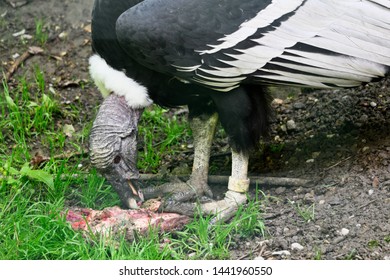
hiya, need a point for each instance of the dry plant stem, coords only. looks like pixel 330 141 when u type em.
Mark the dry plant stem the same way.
pixel 27 54
pixel 223 180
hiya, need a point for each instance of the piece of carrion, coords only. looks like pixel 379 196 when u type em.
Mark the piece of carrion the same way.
pixel 114 220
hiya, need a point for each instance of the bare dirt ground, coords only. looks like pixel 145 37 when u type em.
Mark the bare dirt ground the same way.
pixel 337 139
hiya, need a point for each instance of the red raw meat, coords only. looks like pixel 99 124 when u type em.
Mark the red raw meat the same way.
pixel 115 219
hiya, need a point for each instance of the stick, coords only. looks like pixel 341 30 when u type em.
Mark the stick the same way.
pixel 338 163
pixel 223 180
pixel 30 52
pixel 16 4
pixel 258 247
pixel 365 205
pixel 38 159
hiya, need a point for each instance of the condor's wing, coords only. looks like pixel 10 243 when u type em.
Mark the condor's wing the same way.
pixel 222 43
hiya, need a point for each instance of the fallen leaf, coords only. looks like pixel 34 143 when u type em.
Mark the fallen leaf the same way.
pixel 375 182
pixel 19 33
pixel 38 159
pixel 26 37
pixel 88 28
pixel 86 42
pixel 35 50
pixel 68 130
pixel 56 57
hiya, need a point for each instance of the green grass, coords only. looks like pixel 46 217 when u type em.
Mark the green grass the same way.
pixel 34 198
pixel 162 135
pixel 306 212
pixel 206 239
pixel 41 36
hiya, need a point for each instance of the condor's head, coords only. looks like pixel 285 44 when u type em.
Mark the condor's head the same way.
pixel 113 138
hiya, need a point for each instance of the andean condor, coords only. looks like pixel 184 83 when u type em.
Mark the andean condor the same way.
pixel 218 57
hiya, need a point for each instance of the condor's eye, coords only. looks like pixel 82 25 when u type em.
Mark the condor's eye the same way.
pixel 117 159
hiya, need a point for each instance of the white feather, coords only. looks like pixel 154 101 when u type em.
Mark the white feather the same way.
pixel 264 18
pixel 385 3
pixel 357 31
pixel 186 68
pixel 109 80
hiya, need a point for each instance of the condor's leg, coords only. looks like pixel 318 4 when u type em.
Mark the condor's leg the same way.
pixel 237 187
pixel 203 130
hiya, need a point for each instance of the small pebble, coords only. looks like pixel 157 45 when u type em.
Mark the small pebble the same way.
pixel 280 190
pixel 373 104
pixel 277 101
pixel 296 246
pixel 291 125
pixel 344 232
pixel 63 35
pixel 281 253
pixel 299 105
pixel 370 192
pixel 259 258
pixel 278 139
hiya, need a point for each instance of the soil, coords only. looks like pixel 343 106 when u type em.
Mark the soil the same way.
pixel 337 139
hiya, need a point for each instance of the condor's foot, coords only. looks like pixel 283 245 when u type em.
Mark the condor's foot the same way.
pixel 180 191
pixel 223 209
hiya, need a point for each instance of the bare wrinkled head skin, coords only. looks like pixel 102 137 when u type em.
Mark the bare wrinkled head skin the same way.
pixel 113 147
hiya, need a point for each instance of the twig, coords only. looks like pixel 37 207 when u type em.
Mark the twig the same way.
pixel 38 159
pixel 338 163
pixel 252 252
pixel 223 180
pixel 365 205
pixel 30 52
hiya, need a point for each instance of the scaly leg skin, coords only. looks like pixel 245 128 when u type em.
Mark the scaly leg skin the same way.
pixel 235 196
pixel 203 129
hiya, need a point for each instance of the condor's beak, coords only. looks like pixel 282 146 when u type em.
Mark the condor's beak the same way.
pixel 136 191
